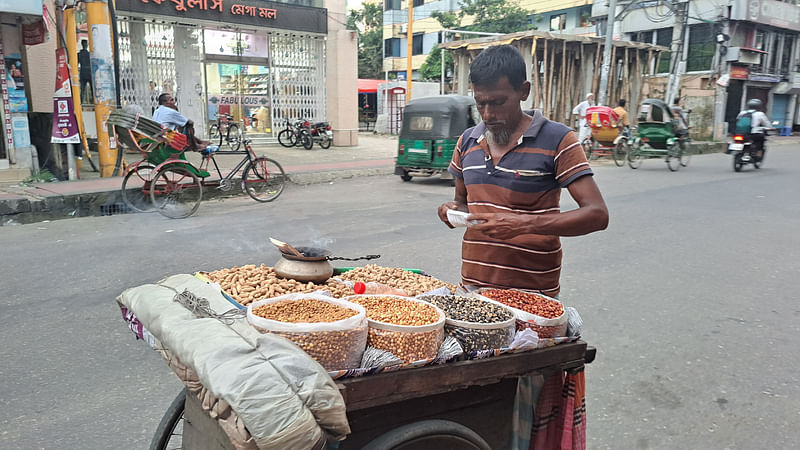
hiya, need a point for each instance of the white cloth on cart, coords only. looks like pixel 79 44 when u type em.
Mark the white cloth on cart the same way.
pixel 285 398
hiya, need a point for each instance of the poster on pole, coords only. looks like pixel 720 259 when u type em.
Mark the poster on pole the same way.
pixel 65 126
pixel 103 64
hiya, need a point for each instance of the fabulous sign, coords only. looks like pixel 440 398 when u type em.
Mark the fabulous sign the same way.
pixel 235 12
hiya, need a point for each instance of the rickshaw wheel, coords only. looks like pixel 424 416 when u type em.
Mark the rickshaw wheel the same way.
pixel 136 188
pixel 685 156
pixel 634 157
pixel 674 154
pixel 588 145
pixel 429 434
pixel 620 153
pixel 176 192
pixel 169 433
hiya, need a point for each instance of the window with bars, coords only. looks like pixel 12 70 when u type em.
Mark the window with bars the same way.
pixel 664 38
pixel 558 22
pixel 392 5
pixel 701 47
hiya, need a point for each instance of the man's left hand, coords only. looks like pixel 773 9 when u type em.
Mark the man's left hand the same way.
pixel 500 225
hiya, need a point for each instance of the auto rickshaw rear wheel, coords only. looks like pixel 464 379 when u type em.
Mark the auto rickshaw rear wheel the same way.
pixel 405 176
pixel 429 434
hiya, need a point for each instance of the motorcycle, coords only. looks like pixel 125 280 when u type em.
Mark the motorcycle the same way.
pixel 743 153
pixel 321 133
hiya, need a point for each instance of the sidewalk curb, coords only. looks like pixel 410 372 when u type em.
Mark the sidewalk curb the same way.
pixel 22 206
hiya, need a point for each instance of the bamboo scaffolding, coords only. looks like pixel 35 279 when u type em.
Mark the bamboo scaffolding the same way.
pixel 537 90
pixel 596 74
pixel 562 82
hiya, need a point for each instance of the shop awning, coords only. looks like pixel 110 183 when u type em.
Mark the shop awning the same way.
pixel 368 86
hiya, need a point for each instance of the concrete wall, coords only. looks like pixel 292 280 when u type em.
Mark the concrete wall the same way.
pixel 341 69
pixel 696 94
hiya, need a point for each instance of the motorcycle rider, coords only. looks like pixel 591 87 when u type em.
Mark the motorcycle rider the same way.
pixel 759 124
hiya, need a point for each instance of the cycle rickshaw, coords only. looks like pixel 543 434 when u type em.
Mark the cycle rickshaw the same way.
pixel 659 135
pixel 164 180
pixel 606 136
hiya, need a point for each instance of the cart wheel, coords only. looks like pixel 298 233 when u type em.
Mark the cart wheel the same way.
pixel 136 188
pixel 169 433
pixel 674 153
pixel 263 179
pixel 634 157
pixel 620 153
pixel 439 434
pixel 176 192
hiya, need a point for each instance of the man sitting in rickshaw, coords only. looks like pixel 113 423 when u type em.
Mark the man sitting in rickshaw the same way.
pixel 167 115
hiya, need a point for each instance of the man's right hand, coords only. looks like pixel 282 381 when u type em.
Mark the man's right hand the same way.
pixel 450 205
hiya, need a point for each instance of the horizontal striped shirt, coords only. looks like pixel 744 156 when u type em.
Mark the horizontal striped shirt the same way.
pixel 527 180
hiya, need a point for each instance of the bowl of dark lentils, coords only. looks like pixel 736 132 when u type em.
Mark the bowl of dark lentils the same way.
pixel 477 324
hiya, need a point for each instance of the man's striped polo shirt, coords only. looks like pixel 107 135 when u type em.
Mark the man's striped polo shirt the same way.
pixel 527 180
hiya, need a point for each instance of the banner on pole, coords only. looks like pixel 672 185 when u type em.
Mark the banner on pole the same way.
pixel 65 126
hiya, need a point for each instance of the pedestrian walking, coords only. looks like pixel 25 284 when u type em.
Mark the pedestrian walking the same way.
pixel 580 110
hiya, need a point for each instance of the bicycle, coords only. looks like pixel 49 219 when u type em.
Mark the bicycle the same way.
pixel 232 134
pixel 175 186
pixel 295 134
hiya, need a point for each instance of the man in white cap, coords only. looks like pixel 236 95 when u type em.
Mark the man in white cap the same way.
pixel 580 110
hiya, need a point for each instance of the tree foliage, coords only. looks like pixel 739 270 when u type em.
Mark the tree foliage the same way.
pixel 489 16
pixel 368 22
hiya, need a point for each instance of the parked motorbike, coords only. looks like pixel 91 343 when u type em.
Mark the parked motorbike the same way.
pixel 321 133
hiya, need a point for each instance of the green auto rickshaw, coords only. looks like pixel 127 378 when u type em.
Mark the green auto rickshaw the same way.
pixel 431 128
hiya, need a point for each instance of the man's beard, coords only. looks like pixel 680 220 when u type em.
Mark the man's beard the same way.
pixel 500 138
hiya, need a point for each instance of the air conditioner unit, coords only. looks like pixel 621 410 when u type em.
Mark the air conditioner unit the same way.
pixel 403 28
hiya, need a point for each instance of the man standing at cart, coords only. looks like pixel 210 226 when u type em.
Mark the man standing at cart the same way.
pixel 509 171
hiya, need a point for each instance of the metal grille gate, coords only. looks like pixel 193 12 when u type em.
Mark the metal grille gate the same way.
pixel 297 64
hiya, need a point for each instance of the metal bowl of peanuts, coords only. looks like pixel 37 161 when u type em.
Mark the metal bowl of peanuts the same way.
pixel 476 323
pixel 333 332
pixel 411 329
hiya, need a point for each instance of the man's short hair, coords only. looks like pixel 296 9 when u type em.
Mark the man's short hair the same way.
pixel 162 99
pixel 677 101
pixel 621 102
pixel 496 62
pixel 84 42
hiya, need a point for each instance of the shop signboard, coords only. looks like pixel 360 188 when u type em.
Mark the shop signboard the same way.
pixel 65 126
pixel 234 12
pixel 244 100
pixel 739 72
pixel 764 78
pixel 231 43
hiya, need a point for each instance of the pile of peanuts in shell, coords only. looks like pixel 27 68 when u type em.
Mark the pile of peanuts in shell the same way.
pixel 475 310
pixel 397 310
pixel 529 302
pixel 334 349
pixel 413 283
pixel 407 345
pixel 306 310
pixel 248 283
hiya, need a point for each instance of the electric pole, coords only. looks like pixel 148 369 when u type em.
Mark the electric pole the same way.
pixel 105 90
pixel 409 68
pixel 606 68
pixel 677 63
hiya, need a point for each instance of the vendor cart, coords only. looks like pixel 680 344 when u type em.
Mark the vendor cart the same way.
pixel 461 405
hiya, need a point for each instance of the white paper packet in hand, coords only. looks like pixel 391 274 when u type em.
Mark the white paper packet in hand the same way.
pixel 459 218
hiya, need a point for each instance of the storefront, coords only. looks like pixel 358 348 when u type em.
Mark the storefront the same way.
pixel 21 24
pixel 261 62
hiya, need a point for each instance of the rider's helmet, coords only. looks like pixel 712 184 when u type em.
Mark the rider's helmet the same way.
pixel 753 103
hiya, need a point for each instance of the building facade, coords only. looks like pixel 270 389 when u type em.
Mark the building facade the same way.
pixel 731 51
pixel 571 16
pixel 262 62
pixel 27 78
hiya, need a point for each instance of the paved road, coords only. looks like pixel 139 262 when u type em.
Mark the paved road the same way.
pixel 690 297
